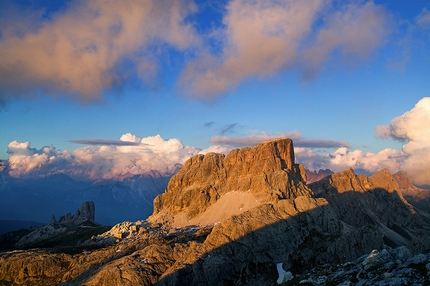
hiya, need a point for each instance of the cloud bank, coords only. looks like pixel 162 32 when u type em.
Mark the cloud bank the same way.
pixel 110 161
pixel 342 159
pixel 88 47
pixel 134 155
pixel 413 128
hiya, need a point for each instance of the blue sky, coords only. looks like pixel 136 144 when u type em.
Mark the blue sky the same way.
pixel 215 77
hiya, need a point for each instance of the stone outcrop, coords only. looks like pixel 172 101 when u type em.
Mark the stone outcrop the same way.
pixel 314 176
pixel 386 267
pixel 419 198
pixel 85 213
pixel 55 228
pixel 267 172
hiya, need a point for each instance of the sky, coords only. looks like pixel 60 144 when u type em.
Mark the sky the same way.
pixel 110 89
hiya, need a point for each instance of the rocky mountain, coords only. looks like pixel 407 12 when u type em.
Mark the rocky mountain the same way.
pixel 85 213
pixel 418 197
pixel 376 206
pixel 239 219
pixel 313 176
pixel 65 232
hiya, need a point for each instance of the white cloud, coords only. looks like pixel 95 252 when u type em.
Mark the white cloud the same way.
pixel 216 149
pixel 342 159
pixel 153 153
pixel 413 127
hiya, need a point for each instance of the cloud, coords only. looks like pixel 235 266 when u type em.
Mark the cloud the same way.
pixel 261 38
pixel 413 127
pixel 342 159
pixel 109 161
pixel 208 124
pixel 355 31
pixel 228 128
pixel 104 142
pixel 298 140
pixel 423 19
pixel 89 46
pixel 216 149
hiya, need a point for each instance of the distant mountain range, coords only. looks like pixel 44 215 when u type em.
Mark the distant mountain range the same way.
pixel 37 199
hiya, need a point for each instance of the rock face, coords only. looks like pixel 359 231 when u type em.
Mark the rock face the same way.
pixel 233 220
pixel 386 267
pixel 264 174
pixel 375 202
pixel 419 198
pixel 314 176
pixel 85 213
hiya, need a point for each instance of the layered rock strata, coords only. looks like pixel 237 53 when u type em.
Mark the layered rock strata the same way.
pixel 250 177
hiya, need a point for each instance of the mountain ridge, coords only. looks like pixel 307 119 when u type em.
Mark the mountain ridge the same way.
pixel 335 220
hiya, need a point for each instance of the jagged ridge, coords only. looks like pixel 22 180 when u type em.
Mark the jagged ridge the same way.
pixel 343 218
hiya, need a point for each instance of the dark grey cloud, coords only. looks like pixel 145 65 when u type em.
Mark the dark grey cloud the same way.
pixel 208 124
pixel 227 128
pixel 319 143
pixel 298 141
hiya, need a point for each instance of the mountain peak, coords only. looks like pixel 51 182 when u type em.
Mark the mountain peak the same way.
pixel 257 175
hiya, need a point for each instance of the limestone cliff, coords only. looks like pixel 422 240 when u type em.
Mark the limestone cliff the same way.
pixel 262 174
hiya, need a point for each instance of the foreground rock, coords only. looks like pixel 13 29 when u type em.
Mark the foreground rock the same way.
pixel 232 220
pixel 386 267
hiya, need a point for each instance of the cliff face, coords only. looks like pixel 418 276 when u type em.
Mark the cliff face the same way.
pixel 263 174
pixel 375 202
pixel 419 198
pixel 85 213
pixel 314 176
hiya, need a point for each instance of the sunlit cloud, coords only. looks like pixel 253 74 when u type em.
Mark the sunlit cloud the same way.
pixel 423 19
pixel 89 46
pixel 413 128
pixel 134 156
pixel 261 38
pixel 342 159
